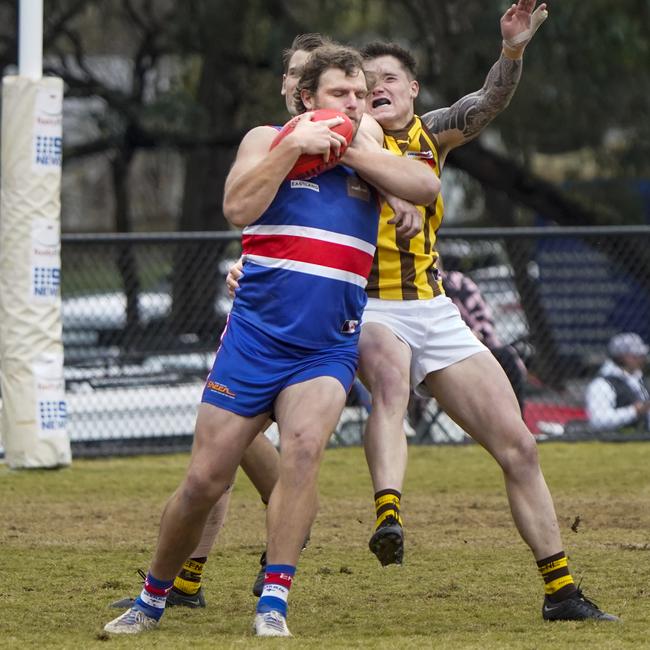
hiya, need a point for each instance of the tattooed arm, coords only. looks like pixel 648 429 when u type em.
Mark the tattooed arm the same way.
pixel 465 119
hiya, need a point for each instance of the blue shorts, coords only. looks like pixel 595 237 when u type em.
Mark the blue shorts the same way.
pixel 252 368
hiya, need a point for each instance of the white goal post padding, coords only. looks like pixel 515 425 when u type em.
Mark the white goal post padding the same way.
pixel 31 351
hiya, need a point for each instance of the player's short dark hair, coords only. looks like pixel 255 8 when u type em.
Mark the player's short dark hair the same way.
pixel 328 56
pixel 304 42
pixel 377 48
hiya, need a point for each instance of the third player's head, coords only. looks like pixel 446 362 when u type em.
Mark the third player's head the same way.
pixel 393 70
pixel 293 61
pixel 333 77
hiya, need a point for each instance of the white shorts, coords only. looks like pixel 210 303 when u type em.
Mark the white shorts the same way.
pixel 433 329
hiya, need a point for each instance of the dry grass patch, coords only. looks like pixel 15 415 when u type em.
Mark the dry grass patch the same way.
pixel 72 540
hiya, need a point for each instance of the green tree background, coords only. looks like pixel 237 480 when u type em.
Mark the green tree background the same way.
pixel 573 143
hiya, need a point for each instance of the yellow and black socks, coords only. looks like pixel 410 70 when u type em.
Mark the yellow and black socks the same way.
pixel 558 582
pixel 188 581
pixel 387 504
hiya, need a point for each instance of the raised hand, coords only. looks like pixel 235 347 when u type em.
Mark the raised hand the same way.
pixel 520 22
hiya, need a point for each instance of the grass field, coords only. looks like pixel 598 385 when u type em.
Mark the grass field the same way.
pixel 72 540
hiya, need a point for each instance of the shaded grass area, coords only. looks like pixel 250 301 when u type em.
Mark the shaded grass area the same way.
pixel 72 540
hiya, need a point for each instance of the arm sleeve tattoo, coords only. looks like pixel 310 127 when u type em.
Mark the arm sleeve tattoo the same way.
pixel 471 114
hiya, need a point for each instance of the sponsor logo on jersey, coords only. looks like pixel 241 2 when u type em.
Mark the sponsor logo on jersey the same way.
pixel 305 185
pixel 220 388
pixel 357 189
pixel 422 155
pixel 426 156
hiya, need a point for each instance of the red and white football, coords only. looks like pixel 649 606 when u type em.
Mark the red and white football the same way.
pixel 310 165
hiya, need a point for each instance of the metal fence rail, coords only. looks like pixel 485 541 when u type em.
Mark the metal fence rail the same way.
pixel 142 315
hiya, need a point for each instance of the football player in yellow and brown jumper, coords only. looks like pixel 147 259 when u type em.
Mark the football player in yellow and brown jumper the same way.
pixel 413 335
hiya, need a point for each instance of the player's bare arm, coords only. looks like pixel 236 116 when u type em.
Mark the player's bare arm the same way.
pixel 258 171
pixel 390 174
pixel 464 120
pixel 408 219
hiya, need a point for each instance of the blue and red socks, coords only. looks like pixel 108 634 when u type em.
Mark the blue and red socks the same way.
pixel 277 582
pixel 151 600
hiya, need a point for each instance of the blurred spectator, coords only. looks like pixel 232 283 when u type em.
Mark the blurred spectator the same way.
pixel 476 313
pixel 618 398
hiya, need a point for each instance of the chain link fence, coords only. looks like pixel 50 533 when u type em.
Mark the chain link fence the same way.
pixel 142 316
pixel 557 296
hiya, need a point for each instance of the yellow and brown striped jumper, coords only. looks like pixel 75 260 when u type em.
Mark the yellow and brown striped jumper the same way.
pixel 405 269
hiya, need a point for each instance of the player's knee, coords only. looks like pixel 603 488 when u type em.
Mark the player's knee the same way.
pixel 390 386
pixel 303 450
pixel 202 489
pixel 521 456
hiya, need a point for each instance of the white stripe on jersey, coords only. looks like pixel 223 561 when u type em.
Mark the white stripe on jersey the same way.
pixel 312 233
pixel 311 269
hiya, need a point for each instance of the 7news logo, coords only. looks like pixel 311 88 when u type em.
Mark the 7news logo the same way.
pixel 49 150
pixel 52 414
